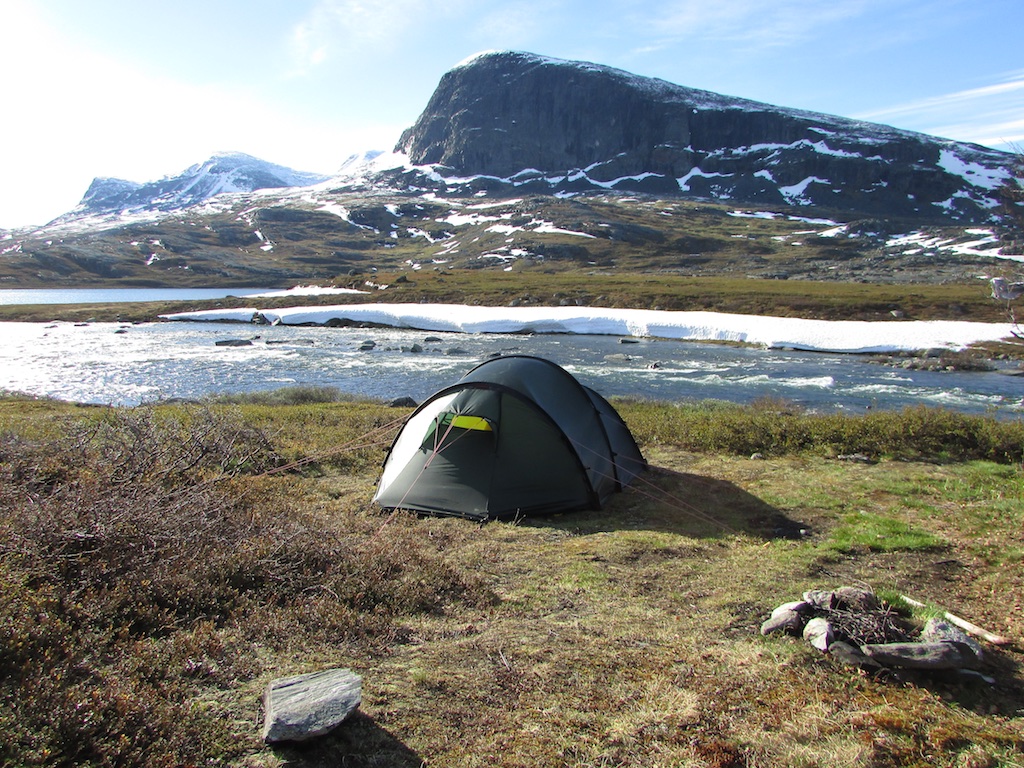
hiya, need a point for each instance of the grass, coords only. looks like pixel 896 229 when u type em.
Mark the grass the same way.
pixel 161 564
pixel 963 300
pixel 876 533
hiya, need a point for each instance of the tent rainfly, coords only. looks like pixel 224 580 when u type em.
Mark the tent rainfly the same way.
pixel 515 436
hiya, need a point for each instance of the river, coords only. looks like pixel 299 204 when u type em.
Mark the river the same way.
pixel 113 363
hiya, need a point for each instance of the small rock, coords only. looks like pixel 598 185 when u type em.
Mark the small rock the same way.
pixel 403 402
pixel 860 458
pixel 820 599
pixel 366 346
pixel 790 622
pixel 818 633
pixel 848 654
pixel 306 706
pixel 854 598
pixel 799 606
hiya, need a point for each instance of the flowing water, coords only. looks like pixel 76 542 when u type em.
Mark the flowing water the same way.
pixel 128 364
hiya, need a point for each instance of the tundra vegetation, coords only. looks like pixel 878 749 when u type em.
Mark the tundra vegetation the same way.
pixel 161 564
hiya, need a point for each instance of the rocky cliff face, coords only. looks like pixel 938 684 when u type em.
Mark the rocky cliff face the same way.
pixel 552 125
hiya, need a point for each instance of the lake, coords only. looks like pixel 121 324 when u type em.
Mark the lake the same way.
pixel 13 296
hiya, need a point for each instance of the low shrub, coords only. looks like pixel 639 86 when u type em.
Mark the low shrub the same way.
pixel 302 394
pixel 143 551
pixel 774 428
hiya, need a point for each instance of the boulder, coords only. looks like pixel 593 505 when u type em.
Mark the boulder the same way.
pixel 306 706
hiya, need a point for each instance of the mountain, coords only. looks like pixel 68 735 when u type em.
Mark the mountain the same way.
pixel 224 172
pixel 520 162
pixel 548 125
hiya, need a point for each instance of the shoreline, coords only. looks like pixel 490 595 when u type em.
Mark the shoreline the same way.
pixel 834 336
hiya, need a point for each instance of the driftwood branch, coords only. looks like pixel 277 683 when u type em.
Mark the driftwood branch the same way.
pixel 965 625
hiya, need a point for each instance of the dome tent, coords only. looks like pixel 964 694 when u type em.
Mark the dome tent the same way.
pixel 517 435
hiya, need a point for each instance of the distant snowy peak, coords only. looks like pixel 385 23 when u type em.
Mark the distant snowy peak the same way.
pixel 237 172
pixel 568 126
pixel 357 163
pixel 223 173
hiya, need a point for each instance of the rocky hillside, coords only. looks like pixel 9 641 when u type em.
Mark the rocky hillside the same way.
pixel 559 126
pixel 320 235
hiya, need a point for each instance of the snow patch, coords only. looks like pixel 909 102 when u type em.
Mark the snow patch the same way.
pixel 849 336
pixel 974 174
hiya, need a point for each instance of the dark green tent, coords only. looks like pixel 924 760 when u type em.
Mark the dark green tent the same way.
pixel 517 435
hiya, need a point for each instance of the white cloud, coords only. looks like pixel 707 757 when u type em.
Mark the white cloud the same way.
pixel 81 113
pixel 992 114
pixel 754 22
pixel 347 28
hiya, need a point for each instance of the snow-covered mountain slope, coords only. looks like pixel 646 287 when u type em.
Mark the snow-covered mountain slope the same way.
pixel 222 173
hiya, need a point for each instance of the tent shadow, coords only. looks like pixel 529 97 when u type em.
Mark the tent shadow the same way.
pixel 359 741
pixel 677 502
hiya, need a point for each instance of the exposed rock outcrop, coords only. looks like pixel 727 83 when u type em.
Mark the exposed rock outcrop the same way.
pixel 550 124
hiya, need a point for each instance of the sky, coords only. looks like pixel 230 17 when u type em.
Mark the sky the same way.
pixel 143 90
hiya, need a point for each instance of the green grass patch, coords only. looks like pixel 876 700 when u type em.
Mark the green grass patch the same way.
pixel 776 428
pixel 875 533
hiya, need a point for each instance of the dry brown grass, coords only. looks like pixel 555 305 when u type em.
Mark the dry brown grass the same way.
pixel 627 637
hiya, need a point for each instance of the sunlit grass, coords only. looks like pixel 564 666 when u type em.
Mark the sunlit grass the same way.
pixel 217 559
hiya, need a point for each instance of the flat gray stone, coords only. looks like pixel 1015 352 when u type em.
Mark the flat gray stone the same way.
pixel 916 655
pixel 851 655
pixel 306 706
pixel 942 631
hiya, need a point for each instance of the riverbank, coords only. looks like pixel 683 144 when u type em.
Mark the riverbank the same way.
pixel 967 301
